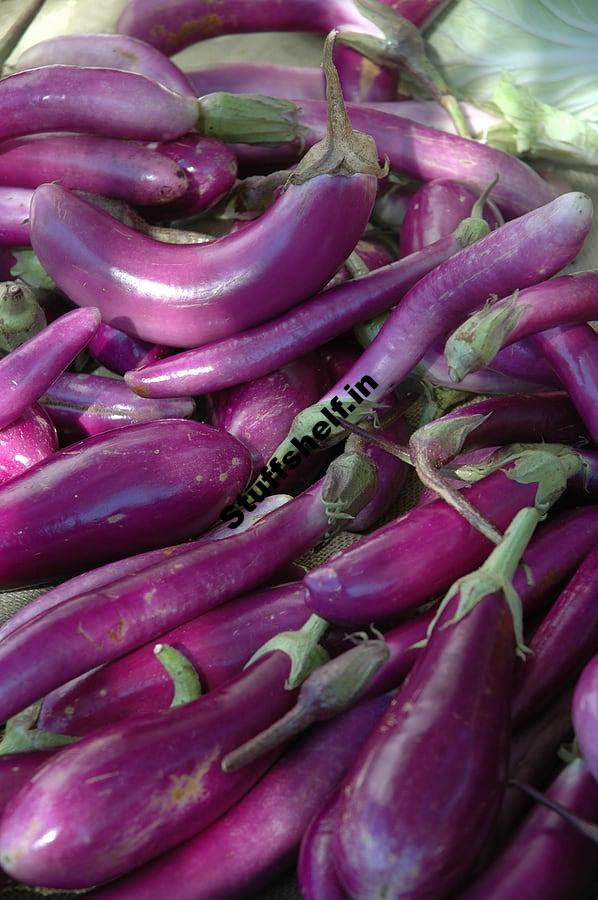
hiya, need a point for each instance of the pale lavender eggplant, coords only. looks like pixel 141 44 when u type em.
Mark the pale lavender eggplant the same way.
pixel 533 759
pixel 426 154
pixel 82 405
pixel 435 211
pixel 211 170
pixel 121 104
pixel 138 788
pixel 547 857
pixel 572 351
pixel 520 253
pixel 14 216
pixel 117 494
pixel 106 51
pixel 417 556
pixel 259 837
pixel 30 369
pixel 87 630
pixel 261 350
pixel 566 639
pixel 99 165
pixel 184 296
pixel 391 473
pixel 25 442
pixel 287 82
pixel 218 644
pixel 316 873
pixel 105 575
pixel 261 412
pixel 403 827
pixel 432 114
pixel 120 352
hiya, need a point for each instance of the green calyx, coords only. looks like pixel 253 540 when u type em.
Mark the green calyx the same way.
pixel 349 485
pixel 471 230
pixel 476 342
pixel 248 119
pixel 21 316
pixel 185 680
pixel 301 646
pixel 343 151
pixel 21 735
pixel 29 269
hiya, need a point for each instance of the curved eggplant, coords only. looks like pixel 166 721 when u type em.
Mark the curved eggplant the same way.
pixel 25 442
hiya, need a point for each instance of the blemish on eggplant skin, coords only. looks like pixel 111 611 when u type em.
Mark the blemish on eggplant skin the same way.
pixel 115 518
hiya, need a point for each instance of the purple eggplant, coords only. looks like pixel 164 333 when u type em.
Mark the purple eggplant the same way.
pixel 547 857
pixel 232 283
pixel 585 714
pixel 534 759
pixel 218 644
pixel 317 876
pixel 264 349
pixel 120 352
pixel 566 639
pixel 415 150
pixel 82 405
pixel 524 360
pixel 211 170
pixel 106 51
pixel 15 203
pixel 136 789
pixel 95 164
pixel 567 300
pixel 260 413
pixel 287 82
pixel 30 369
pixel 26 441
pixel 404 830
pixel 121 104
pixel 16 769
pixel 522 252
pixel 116 494
pixel 411 559
pixel 391 471
pixel 283 803
pixel 435 211
pixel 95 627
pixel 392 205
pixel 106 574
pixel 572 351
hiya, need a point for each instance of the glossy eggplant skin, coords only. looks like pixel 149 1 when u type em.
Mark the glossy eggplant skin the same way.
pixel 184 296
pixel 317 876
pixel 25 442
pixel 120 352
pixel 133 790
pixel 14 216
pixel 422 798
pixel 210 167
pixel 114 495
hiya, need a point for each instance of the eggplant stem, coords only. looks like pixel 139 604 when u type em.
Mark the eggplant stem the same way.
pixel 184 677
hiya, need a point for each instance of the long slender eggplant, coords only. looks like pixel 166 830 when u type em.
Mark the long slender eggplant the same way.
pixel 407 562
pixel 15 204
pixel 572 351
pixel 30 369
pixel 567 300
pixel 211 170
pixel 121 104
pixel 258 351
pixel 218 644
pixel 566 639
pixel 404 829
pixel 391 471
pixel 233 283
pixel 99 165
pixel 287 82
pixel 82 405
pixel 116 494
pixel 106 51
pixel 317 876
pixel 547 857
pixel 120 352
pixel 114 571
pixel 258 839
pixel 435 211
pixel 95 627
pixel 138 788
pixel 26 441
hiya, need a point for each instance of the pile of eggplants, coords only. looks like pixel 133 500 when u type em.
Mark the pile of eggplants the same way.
pixel 240 317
